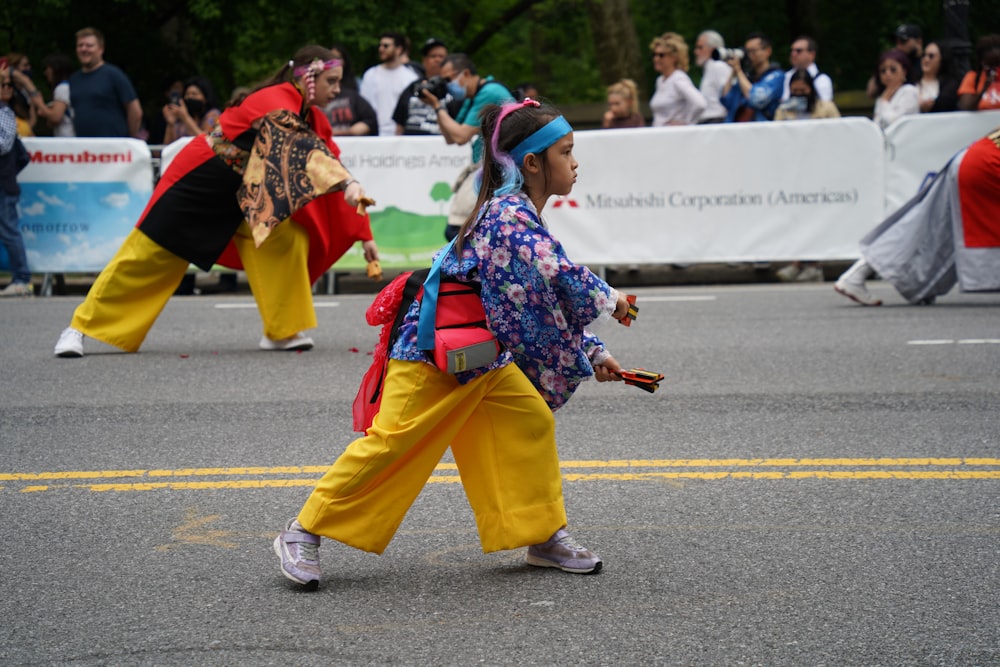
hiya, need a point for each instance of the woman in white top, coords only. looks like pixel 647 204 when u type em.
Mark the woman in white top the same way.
pixel 676 100
pixel 896 98
pixel 58 113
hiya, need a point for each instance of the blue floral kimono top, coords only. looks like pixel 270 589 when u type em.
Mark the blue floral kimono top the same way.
pixel 537 301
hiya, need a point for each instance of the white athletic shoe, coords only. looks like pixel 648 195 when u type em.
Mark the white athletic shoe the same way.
pixel 295 343
pixel 70 343
pixel 856 292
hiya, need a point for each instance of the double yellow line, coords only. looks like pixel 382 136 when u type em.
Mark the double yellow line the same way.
pixel 573 471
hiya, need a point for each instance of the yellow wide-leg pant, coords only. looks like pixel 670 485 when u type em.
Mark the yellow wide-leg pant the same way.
pixel 132 290
pixel 502 435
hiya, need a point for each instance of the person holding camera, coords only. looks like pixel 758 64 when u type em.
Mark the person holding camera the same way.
pixel 413 115
pixel 755 92
pixel 193 113
pixel 474 92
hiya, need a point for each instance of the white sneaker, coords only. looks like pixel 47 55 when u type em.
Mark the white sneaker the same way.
pixel 70 343
pixel 856 292
pixel 788 273
pixel 810 274
pixel 295 343
pixel 18 289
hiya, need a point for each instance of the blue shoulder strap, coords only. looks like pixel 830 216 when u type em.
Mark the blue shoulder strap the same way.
pixel 428 303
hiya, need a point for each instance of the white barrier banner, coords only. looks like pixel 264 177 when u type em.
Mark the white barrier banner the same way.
pixel 720 193
pixel 80 198
pixel 919 145
pixel 410 179
pixel 717 193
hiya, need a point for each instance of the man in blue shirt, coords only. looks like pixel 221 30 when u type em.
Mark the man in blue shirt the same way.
pixel 475 92
pixel 102 97
pixel 754 95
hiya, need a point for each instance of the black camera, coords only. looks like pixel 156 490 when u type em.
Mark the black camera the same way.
pixel 175 98
pixel 436 86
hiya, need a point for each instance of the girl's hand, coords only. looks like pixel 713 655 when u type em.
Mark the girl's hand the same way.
pixel 371 251
pixel 170 113
pixel 354 193
pixel 608 371
pixel 621 307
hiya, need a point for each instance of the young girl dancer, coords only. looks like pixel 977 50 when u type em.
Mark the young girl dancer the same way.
pixel 497 418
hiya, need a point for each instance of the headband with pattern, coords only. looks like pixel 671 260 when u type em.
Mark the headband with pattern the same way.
pixel 310 70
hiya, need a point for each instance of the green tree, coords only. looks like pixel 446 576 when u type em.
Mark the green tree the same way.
pixel 441 192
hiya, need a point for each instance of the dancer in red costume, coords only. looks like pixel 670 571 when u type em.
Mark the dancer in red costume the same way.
pixel 270 159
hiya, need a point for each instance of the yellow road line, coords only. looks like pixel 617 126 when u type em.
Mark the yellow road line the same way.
pixel 626 477
pixel 616 463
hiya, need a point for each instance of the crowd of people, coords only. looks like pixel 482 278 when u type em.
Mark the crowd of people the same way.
pixel 443 94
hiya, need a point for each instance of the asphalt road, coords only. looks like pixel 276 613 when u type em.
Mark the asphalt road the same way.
pixel 815 483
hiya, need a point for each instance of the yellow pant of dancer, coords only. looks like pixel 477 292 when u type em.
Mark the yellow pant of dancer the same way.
pixel 502 435
pixel 134 287
pixel 278 273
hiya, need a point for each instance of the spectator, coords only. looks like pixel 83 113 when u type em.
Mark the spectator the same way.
pixel 103 99
pixel 173 89
pixel 803 56
pixel 13 158
pixel 676 100
pixel 896 97
pixel 910 40
pixel 754 95
pixel 241 197
pixel 715 75
pixel 623 106
pixel 474 92
pixel 526 89
pixel 382 84
pixel 348 112
pixel 949 232
pixel 804 101
pixel 980 88
pixel 58 113
pixel 20 101
pixel 238 95
pixel 412 114
pixel 938 88
pixel 194 113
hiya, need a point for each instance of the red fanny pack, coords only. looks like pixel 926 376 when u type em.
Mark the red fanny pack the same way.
pixel 462 341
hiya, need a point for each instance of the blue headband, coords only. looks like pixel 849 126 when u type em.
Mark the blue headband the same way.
pixel 548 134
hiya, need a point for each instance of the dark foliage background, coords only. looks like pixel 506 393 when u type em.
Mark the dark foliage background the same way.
pixel 571 49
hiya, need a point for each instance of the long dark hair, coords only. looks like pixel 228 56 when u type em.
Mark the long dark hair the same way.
pixel 206 88
pixel 805 76
pixel 515 127
pixel 61 66
pixel 349 80
pixel 986 59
